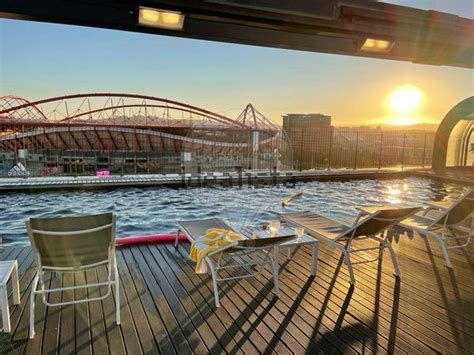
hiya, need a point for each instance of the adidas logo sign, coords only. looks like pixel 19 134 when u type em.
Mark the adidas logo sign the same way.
pixel 18 170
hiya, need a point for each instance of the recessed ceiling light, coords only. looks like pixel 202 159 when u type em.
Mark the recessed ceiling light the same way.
pixel 377 45
pixel 170 20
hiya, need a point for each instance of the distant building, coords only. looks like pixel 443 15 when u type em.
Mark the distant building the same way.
pixel 305 120
pixel 310 138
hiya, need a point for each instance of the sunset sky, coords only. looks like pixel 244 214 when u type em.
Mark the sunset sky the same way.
pixel 41 60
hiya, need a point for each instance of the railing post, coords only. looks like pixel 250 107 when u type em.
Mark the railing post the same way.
pixel 301 151
pixel 330 149
pixel 424 152
pixel 380 152
pixel 356 150
pixel 403 148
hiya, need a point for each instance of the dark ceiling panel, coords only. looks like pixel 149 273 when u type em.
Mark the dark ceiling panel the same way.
pixel 329 26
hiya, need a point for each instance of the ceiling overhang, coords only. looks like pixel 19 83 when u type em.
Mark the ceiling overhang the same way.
pixel 329 26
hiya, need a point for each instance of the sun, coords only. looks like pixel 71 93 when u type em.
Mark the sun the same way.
pixel 405 99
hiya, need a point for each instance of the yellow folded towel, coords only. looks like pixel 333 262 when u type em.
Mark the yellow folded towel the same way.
pixel 214 239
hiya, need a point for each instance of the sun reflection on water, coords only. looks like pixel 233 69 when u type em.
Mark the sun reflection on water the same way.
pixel 394 194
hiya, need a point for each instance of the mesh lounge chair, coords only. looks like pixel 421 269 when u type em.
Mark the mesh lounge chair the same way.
pixel 448 224
pixel 341 235
pixel 73 244
pixel 232 256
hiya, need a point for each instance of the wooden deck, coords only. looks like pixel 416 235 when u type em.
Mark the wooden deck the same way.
pixel 166 308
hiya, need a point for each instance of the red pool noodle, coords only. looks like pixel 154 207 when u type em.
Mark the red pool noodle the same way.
pixel 152 238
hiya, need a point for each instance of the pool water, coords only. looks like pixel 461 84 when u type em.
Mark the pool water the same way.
pixel 152 210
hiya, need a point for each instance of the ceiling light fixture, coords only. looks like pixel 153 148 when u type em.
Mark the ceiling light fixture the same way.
pixel 170 20
pixel 377 45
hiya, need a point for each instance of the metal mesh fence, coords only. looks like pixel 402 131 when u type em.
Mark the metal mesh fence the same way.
pixel 135 152
pixel 338 148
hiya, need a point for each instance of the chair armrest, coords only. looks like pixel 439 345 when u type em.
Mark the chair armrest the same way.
pixel 440 205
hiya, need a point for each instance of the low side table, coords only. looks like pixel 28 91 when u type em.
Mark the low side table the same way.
pixel 8 269
pixel 295 244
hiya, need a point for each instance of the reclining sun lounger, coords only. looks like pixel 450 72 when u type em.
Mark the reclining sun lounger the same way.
pixel 341 236
pixel 233 257
pixel 448 224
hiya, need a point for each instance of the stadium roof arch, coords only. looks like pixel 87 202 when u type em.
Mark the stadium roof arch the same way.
pixel 122 109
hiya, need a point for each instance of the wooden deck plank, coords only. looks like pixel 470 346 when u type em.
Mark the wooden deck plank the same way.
pixel 198 322
pixel 145 335
pixel 115 338
pixel 67 335
pixel 218 320
pixel 416 311
pixel 221 339
pixel 425 252
pixel 323 327
pixel 372 299
pixel 22 256
pixel 228 314
pixel 257 331
pixel 243 301
pixel 264 328
pixel 381 314
pixel 193 335
pixel 338 298
pixel 5 252
pixel 96 315
pixel 19 316
pixel 167 308
pixel 323 324
pixel 81 317
pixel 51 326
pixel 426 303
pixel 173 329
pixel 16 343
pixel 284 327
pixel 157 326
pixel 406 303
pixel 288 332
pixel 33 346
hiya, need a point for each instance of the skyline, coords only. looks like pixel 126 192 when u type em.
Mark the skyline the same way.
pixel 42 60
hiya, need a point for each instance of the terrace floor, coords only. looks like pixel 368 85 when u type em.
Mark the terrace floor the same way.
pixel 166 308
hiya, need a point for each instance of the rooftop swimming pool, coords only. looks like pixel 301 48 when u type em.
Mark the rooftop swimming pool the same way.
pixel 152 210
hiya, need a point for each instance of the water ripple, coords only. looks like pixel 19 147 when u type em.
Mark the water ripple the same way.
pixel 156 210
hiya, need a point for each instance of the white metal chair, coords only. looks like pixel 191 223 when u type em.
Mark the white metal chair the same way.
pixel 8 270
pixel 73 244
pixel 450 223
pixel 233 256
pixel 341 236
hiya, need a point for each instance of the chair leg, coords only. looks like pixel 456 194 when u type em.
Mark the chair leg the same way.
pixel 444 249
pixel 214 281
pixel 348 262
pixel 5 309
pixel 381 247
pixel 32 306
pixel 15 285
pixel 275 267
pixel 314 258
pixel 117 295
pixel 176 241
pixel 393 257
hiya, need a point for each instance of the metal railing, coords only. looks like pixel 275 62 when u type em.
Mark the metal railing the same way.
pixel 324 148
pixel 340 148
